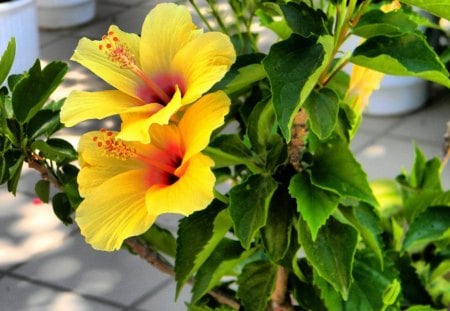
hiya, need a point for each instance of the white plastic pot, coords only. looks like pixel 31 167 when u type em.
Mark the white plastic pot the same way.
pixel 397 95
pixel 55 14
pixel 19 19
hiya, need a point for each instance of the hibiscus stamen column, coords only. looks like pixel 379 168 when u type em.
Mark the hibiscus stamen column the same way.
pixel 121 54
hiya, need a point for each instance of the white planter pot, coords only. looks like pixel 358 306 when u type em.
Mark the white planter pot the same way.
pixel 19 19
pixel 53 14
pixel 397 95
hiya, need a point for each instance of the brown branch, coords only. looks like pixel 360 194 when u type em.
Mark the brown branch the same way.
pixel 281 300
pixel 162 265
pixel 297 143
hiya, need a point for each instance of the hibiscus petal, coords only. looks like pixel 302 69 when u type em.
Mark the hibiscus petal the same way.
pixel 166 29
pixel 80 106
pixel 203 62
pixel 96 165
pixel 193 190
pixel 200 120
pixel 135 126
pixel 90 56
pixel 115 211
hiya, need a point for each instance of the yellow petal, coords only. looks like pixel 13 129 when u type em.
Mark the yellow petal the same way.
pixel 200 120
pixel 115 211
pixel 97 166
pixel 193 190
pixel 135 126
pixel 80 106
pixel 203 62
pixel 166 29
pixel 90 56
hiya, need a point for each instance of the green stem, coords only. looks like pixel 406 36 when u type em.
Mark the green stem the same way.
pixel 199 13
pixel 216 15
pixel 219 196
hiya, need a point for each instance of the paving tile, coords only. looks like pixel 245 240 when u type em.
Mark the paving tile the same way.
pixel 379 125
pixel 427 124
pixel 117 276
pixel 385 157
pixel 165 299
pixel 131 20
pixel 360 140
pixel 94 31
pixel 20 295
pixel 27 229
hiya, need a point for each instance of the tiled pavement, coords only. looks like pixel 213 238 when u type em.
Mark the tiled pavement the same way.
pixel 47 266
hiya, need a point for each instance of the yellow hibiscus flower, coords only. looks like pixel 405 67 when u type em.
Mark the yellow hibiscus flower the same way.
pixel 363 81
pixel 126 185
pixel 172 64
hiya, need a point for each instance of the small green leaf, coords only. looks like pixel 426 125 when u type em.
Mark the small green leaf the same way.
pixel 422 308
pixel 406 54
pixel 260 124
pixel 331 254
pixel 14 162
pixel 249 205
pixel 246 76
pixel 161 239
pixel 198 236
pixel 220 263
pixel 56 149
pixel 276 234
pixel 293 67
pixel 7 59
pixel 335 169
pixel 367 222
pixel 227 150
pixel 31 92
pixel 62 208
pixel 377 22
pixel 304 20
pixel 256 284
pixel 437 7
pixel 430 226
pixel 42 189
pixel 322 107
pixel 314 204
pixel 43 123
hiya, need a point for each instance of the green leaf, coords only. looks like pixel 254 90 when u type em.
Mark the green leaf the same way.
pixel 43 123
pixel 304 20
pixel 370 286
pixel 293 67
pixel 406 54
pixel 364 219
pixel 42 189
pixel 198 236
pixel 314 204
pixel 246 76
pixel 228 150
pixel 378 286
pixel 62 208
pixel 240 76
pixel 376 22
pixel 331 254
pixel 249 205
pixel 260 123
pixel 7 59
pixel 221 262
pixel 276 234
pixel 14 171
pixel 322 107
pixel 161 239
pixel 422 308
pixel 430 226
pixel 256 284
pixel 437 7
pixel 56 149
pixel 31 92
pixel 340 173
